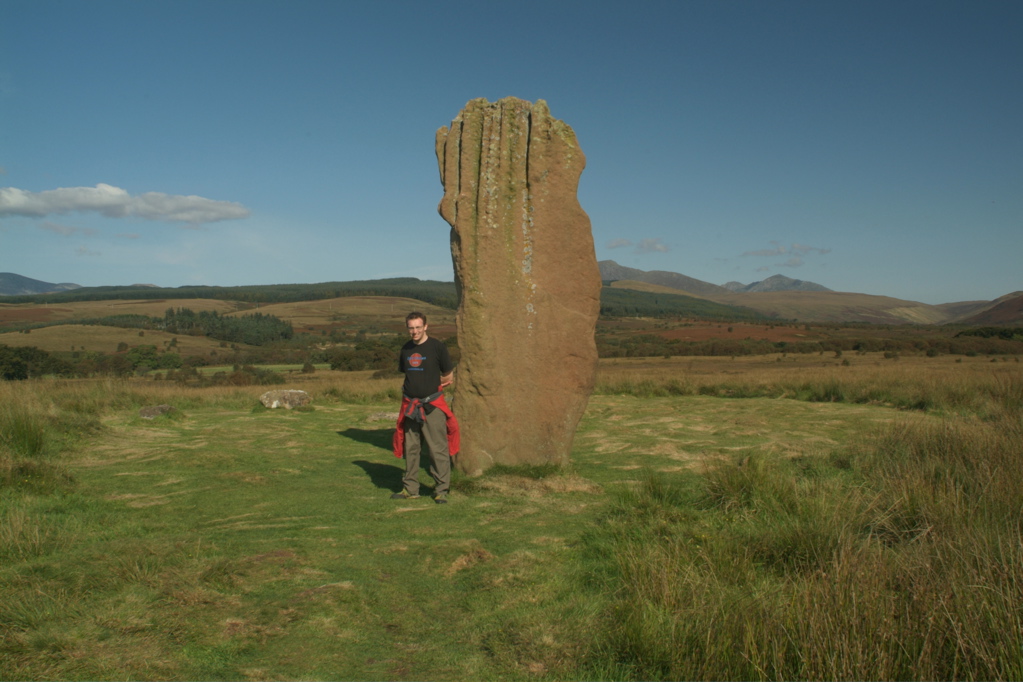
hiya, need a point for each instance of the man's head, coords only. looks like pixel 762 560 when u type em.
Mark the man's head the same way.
pixel 416 324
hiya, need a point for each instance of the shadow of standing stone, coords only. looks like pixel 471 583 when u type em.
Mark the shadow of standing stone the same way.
pixel 527 280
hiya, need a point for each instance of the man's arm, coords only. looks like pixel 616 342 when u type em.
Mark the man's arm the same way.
pixel 444 358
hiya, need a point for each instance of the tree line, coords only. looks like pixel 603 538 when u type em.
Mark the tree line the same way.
pixel 1008 333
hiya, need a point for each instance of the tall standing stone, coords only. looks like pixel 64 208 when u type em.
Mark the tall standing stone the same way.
pixel 527 279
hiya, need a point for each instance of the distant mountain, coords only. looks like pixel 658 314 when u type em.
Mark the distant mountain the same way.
pixel 777 297
pixel 611 271
pixel 776 283
pixel 16 285
pixel 1007 310
pixel 784 298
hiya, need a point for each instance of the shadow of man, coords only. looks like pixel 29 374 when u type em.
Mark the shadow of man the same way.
pixel 380 438
pixel 387 476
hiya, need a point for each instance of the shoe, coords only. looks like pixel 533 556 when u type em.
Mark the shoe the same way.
pixel 441 498
pixel 404 495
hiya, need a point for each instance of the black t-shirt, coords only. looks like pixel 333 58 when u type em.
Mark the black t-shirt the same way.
pixel 424 365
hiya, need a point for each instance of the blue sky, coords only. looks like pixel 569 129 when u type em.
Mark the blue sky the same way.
pixel 873 147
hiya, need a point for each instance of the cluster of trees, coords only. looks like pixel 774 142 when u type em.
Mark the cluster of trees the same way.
pixel 255 329
pixel 1008 333
pixel 29 362
pixel 240 375
pixel 18 363
pixel 376 353
pixel 379 353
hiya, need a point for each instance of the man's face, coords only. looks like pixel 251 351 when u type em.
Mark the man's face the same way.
pixel 417 330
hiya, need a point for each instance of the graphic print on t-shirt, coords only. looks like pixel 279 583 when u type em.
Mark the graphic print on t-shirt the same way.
pixel 415 360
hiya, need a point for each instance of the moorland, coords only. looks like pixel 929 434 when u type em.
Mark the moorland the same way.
pixel 747 499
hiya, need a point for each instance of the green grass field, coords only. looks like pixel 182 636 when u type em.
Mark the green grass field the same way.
pixel 696 535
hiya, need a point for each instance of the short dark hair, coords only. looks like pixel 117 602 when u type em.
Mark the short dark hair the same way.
pixel 415 316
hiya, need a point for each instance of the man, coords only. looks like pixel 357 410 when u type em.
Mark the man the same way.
pixel 424 415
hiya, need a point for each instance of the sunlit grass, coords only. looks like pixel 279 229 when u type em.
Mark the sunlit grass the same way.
pixel 922 383
pixel 897 557
pixel 748 519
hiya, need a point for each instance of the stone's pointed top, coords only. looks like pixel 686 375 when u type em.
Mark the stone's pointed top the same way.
pixel 539 107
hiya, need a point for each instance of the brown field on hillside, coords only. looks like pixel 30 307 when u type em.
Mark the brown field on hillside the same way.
pixel 633 285
pixel 354 312
pixel 833 306
pixel 34 312
pixel 700 330
pixel 816 306
pixel 94 338
pixel 351 313
pixel 706 332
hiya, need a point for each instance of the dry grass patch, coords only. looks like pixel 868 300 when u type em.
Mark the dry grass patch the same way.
pixel 473 557
pixel 507 484
pixel 367 309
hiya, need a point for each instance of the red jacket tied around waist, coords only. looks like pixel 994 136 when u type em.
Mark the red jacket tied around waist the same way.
pixel 414 408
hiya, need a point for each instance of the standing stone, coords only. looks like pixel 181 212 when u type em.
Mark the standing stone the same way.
pixel 527 280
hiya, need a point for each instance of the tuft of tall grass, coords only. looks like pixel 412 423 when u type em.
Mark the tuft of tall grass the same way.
pixel 22 432
pixel 23 535
pixel 363 394
pixel 900 558
pixel 645 387
pixel 925 386
pixel 1006 392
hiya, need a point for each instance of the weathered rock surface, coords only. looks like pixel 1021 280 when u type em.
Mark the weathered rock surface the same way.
pixel 287 399
pixel 527 278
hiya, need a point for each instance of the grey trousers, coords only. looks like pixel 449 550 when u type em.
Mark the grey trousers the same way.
pixel 435 432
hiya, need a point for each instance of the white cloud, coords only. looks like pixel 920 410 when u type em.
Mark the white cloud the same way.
pixel 777 251
pixel 792 262
pixel 619 243
pixel 66 230
pixel 803 248
pixel 651 246
pixel 798 250
pixel 115 202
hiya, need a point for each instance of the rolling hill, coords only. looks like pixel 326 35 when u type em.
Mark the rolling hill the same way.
pixel 784 298
pixel 611 271
pixel 627 291
pixel 776 283
pixel 1007 310
pixel 17 285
